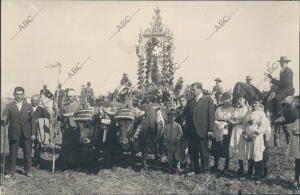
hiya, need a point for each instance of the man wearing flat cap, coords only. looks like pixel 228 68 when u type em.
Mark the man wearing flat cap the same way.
pixel 200 118
pixel 285 86
pixel 218 90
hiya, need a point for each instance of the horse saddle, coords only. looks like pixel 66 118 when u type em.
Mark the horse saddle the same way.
pixel 287 100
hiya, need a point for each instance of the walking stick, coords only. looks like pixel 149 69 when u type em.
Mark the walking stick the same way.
pixel 3 156
pixel 55 128
pixel 53 153
pixel 55 119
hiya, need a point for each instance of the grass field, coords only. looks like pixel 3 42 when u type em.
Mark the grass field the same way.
pixel 122 179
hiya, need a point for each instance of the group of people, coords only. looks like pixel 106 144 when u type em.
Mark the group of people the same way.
pixel 29 124
pixel 241 131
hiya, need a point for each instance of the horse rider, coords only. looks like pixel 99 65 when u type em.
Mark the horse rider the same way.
pixel 218 90
pixel 248 80
pixel 46 92
pixel 285 87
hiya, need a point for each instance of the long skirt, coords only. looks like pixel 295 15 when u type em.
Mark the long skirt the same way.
pixel 221 149
pixel 234 140
pixel 251 150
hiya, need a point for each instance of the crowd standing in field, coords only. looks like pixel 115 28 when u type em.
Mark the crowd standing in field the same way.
pixel 186 124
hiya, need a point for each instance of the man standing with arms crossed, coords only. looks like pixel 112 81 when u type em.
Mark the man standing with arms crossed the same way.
pixel 22 129
pixel 200 117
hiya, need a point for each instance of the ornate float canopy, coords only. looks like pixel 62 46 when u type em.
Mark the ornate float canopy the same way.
pixel 155 51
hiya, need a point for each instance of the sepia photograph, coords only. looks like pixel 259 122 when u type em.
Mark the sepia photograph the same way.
pixel 149 97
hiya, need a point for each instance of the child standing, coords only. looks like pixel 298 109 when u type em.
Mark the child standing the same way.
pixel 173 134
pixel 251 146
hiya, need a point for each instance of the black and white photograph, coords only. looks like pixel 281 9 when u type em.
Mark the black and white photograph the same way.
pixel 149 97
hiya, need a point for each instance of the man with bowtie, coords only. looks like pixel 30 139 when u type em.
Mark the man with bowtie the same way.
pixel 200 117
pixel 21 130
pixel 285 87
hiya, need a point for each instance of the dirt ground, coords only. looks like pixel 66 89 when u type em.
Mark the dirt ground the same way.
pixel 122 179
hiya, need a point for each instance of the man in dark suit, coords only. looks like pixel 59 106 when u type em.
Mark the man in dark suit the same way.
pixel 21 130
pixel 285 86
pixel 200 117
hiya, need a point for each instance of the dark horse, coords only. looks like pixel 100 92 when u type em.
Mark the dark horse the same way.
pixel 251 93
pixel 139 131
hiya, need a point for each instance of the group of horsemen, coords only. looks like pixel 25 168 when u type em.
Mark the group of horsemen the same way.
pixel 68 105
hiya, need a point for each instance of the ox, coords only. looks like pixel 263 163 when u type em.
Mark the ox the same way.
pixel 140 128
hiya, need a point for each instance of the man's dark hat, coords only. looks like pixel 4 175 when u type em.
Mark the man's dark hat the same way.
pixel 218 80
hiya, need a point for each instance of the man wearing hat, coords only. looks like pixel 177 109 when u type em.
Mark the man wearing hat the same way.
pixel 46 92
pixel 69 130
pixel 70 106
pixel 285 86
pixel 200 118
pixel 218 90
pixel 248 80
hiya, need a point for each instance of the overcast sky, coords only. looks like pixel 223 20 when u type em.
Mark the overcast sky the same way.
pixel 71 31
